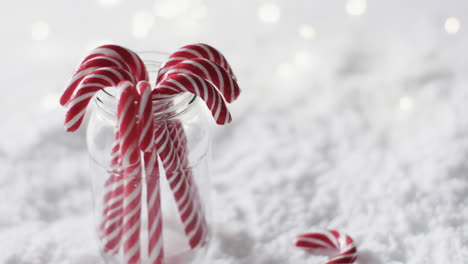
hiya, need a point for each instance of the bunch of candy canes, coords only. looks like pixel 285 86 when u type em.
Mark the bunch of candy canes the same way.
pixel 198 69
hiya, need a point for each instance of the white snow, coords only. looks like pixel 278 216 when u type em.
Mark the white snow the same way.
pixel 362 128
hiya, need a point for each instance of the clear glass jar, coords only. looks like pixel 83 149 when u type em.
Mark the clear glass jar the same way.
pixel 184 110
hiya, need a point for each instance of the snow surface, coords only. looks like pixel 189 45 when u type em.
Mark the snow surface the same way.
pixel 362 128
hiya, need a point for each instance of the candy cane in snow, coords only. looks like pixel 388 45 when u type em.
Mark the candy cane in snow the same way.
pixel 330 239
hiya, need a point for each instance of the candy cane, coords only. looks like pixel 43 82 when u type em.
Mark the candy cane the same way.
pixel 330 239
pixel 92 83
pixel 177 172
pixel 182 82
pixel 131 58
pixel 180 141
pixel 186 203
pixel 110 228
pixel 105 56
pixel 215 70
pixel 130 155
pixel 146 128
pixel 211 72
pixel 118 58
pixel 95 73
pixel 189 208
pixel 198 50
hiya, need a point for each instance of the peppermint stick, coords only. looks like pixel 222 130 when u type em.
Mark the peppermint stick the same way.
pixel 150 155
pixel 105 56
pixel 127 109
pixel 111 222
pixel 211 72
pixel 88 87
pixel 330 239
pixel 191 219
pixel 197 50
pixel 185 82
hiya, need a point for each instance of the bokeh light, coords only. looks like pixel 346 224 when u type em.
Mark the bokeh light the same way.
pixel 306 31
pixel 199 12
pixel 171 9
pixel 109 3
pixel 452 25
pixel 406 104
pixel 303 58
pixel 143 21
pixel 40 30
pixel 356 7
pixel 269 13
pixel 285 70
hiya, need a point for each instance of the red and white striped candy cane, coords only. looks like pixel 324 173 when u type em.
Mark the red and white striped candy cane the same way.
pixel 211 72
pixel 147 146
pixel 194 221
pixel 185 201
pixel 182 82
pixel 209 64
pixel 199 232
pixel 197 50
pixel 180 142
pixel 111 222
pixel 91 84
pixel 189 207
pixel 330 239
pixel 127 110
pixel 105 56
pixel 84 69
pixel 135 63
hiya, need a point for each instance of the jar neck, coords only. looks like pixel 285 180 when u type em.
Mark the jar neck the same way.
pixel 168 108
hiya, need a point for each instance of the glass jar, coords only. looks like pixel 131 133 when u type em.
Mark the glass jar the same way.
pixel 186 112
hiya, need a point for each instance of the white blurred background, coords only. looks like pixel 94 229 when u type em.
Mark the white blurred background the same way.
pixel 352 116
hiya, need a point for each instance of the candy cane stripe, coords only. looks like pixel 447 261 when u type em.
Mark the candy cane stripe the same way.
pixel 146 128
pixel 203 47
pixel 326 237
pixel 126 112
pixel 211 72
pixel 126 55
pixel 191 51
pixel 192 202
pixel 110 227
pixel 104 61
pixel 330 239
pixel 183 82
pixel 177 181
pixel 106 56
pixel 198 50
pixel 91 84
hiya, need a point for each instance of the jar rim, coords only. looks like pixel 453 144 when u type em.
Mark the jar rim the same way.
pixel 106 100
